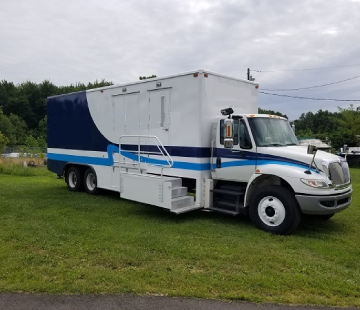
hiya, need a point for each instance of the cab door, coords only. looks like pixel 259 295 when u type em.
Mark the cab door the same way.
pixel 236 164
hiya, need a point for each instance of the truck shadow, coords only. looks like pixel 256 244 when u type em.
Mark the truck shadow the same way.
pixel 316 228
pixel 309 226
pixel 201 216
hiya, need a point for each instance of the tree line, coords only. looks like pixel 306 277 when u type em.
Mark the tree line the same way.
pixel 23 108
pixel 23 120
pixel 335 128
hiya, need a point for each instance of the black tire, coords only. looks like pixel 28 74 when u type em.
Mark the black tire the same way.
pixel 74 179
pixel 90 182
pixel 274 209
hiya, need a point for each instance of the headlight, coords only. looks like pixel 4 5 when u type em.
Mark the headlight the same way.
pixel 315 183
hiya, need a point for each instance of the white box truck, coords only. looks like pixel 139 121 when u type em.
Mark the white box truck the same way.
pixel 193 141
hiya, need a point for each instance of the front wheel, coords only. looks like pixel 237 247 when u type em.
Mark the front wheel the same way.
pixel 90 182
pixel 275 209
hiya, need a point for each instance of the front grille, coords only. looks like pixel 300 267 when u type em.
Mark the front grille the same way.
pixel 339 173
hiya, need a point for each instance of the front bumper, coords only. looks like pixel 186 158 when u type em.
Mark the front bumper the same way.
pixel 310 204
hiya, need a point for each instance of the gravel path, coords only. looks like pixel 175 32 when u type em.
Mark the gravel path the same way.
pixel 15 301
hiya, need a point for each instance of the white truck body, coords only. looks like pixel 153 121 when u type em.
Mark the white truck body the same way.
pixel 146 139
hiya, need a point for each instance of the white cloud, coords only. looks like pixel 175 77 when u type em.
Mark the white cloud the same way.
pixel 70 41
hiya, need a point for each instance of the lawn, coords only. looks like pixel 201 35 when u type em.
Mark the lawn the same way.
pixel 55 241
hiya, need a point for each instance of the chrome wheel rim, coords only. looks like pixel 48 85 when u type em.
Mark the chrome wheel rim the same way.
pixel 91 181
pixel 72 179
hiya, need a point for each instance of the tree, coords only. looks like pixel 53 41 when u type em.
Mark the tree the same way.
pixel 31 142
pixel 97 84
pixel 271 112
pixel 3 141
pixel 340 127
pixel 20 129
pixel 7 128
pixel 23 108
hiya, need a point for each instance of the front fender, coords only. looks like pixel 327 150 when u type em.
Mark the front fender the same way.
pixel 276 174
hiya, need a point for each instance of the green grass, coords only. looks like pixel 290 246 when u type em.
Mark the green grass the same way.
pixel 55 241
pixel 15 166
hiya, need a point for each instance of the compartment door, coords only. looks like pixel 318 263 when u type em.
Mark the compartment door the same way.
pixel 159 118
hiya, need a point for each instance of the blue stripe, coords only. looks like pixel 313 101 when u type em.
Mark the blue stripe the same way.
pixel 109 161
pixel 285 163
pixel 238 163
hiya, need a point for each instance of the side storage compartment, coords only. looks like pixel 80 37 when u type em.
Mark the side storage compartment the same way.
pixel 165 192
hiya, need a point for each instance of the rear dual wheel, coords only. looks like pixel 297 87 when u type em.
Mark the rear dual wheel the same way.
pixel 90 182
pixel 76 181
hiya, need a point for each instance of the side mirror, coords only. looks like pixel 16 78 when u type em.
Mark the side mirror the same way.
pixel 312 149
pixel 228 134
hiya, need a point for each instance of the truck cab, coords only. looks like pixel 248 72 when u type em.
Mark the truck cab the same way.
pixel 259 169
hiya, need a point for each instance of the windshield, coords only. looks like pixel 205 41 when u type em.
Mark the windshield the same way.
pixel 272 132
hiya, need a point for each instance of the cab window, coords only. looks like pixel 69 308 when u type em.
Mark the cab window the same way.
pixel 245 141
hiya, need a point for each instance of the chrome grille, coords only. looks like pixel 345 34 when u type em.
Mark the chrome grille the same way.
pixel 339 172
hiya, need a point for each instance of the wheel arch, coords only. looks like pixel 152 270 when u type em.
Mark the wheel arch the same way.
pixel 259 181
pixel 82 167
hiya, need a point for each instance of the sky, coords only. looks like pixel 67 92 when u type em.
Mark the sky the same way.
pixel 293 43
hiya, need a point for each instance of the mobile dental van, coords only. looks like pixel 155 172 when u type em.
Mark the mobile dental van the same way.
pixel 193 141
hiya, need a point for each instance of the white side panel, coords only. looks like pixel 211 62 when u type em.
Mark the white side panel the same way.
pixel 159 120
pixel 208 195
pixel 144 113
pixel 118 115
pixel 179 110
pixel 151 188
pixel 222 92
pixel 125 115
pixel 159 109
pixel 132 119
pixel 186 105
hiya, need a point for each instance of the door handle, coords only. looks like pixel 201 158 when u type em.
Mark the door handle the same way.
pixel 218 162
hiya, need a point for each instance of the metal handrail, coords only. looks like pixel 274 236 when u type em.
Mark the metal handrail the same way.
pixel 155 141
